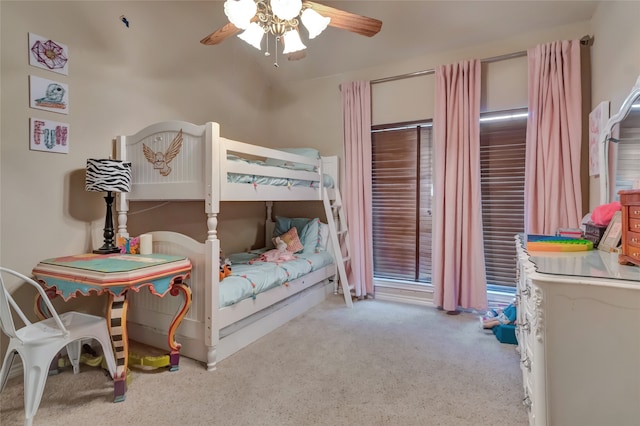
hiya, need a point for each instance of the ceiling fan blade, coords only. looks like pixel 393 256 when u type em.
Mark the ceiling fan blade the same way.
pixel 346 20
pixel 296 56
pixel 220 34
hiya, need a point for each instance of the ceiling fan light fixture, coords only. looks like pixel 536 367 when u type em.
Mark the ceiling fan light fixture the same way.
pixel 281 19
pixel 240 12
pixel 286 9
pixel 314 22
pixel 292 42
pixel 253 35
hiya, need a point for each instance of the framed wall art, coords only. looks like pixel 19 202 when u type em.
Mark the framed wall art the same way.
pixel 48 54
pixel 48 95
pixel 48 136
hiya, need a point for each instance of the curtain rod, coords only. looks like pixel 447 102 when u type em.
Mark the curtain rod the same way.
pixel 432 71
pixel 586 40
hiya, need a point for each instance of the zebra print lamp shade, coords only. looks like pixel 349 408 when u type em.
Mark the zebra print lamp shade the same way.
pixel 108 175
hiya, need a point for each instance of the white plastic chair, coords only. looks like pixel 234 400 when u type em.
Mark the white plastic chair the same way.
pixel 38 343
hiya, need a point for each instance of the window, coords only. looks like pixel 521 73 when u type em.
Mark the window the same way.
pixel 402 187
pixel 402 190
pixel 502 162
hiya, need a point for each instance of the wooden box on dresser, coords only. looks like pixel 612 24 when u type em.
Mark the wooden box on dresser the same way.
pixel 579 337
pixel 630 201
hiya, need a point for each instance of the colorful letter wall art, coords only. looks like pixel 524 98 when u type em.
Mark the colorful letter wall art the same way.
pixel 49 136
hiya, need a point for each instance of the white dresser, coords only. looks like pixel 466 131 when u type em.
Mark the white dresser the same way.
pixel 579 338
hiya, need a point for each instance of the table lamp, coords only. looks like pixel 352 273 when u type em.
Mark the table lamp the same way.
pixel 108 176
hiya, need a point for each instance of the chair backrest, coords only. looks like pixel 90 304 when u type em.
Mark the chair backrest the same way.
pixel 7 303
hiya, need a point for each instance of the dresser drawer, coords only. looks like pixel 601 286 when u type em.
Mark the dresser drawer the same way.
pixel 633 251
pixel 633 239
pixel 634 212
pixel 634 223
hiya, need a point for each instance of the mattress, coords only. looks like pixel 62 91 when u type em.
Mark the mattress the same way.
pixel 250 277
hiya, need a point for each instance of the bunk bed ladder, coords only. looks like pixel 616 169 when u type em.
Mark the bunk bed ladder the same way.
pixel 339 234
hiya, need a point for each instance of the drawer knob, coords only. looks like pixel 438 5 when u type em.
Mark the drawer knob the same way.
pixel 526 362
pixel 636 212
pixel 634 240
pixel 523 326
pixel 526 402
pixel 526 291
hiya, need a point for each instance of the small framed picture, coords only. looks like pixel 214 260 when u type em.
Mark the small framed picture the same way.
pixel 611 238
pixel 49 136
pixel 48 95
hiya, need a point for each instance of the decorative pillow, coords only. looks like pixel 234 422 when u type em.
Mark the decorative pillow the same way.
pixel 291 239
pixel 310 236
pixel 283 224
pixel 327 181
pixel 324 236
pixel 308 230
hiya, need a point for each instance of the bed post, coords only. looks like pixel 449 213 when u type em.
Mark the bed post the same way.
pixel 212 244
pixel 269 225
pixel 122 204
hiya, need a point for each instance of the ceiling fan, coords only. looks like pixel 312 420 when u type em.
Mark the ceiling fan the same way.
pixel 252 19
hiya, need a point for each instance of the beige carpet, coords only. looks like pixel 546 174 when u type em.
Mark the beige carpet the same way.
pixel 380 363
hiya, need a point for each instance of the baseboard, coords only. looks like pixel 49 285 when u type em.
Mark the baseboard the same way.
pixel 404 293
pixel 498 299
pixel 422 294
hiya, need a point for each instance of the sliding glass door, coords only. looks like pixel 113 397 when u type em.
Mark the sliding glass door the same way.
pixel 402 166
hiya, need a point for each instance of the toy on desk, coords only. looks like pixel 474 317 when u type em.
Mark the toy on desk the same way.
pixel 129 245
pixel 557 244
pixel 569 232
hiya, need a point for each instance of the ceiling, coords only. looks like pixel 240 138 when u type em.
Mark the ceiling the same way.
pixel 409 29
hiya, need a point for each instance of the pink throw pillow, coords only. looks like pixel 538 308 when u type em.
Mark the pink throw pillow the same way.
pixel 291 239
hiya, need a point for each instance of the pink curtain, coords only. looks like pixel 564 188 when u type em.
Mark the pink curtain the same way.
pixel 458 271
pixel 356 183
pixel 554 138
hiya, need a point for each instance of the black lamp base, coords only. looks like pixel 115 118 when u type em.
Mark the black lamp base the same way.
pixel 108 247
pixel 107 250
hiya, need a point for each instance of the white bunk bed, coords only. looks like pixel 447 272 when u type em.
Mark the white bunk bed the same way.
pixel 179 161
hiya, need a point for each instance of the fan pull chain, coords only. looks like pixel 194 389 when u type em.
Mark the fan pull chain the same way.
pixel 275 64
pixel 267 53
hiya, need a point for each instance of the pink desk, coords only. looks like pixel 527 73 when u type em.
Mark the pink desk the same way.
pixel 116 274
